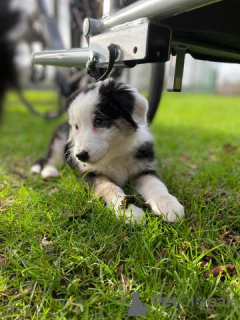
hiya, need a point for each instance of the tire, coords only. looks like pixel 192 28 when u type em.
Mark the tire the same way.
pixel 155 89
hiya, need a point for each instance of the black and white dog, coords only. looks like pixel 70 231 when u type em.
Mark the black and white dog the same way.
pixel 107 138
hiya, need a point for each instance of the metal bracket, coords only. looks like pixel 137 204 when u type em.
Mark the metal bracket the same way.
pixel 176 70
pixel 137 41
pixel 131 40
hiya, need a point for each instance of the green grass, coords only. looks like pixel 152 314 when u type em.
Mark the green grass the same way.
pixel 63 255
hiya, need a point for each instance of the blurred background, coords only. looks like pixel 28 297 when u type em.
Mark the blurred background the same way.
pixel 199 76
pixel 62 254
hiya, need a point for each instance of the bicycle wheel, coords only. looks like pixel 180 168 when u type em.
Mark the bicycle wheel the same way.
pixel 155 89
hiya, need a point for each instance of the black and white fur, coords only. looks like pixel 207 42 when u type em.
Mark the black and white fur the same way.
pixel 108 138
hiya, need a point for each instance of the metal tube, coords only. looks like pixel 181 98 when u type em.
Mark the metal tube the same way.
pixel 160 9
pixel 62 58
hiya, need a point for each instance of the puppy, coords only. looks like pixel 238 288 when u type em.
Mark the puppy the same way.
pixel 107 139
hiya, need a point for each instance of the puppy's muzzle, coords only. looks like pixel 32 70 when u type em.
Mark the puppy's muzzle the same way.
pixel 82 156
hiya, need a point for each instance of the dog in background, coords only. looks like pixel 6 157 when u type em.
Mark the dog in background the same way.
pixel 107 139
pixel 8 73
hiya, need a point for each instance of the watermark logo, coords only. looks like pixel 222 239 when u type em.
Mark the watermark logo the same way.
pixel 137 308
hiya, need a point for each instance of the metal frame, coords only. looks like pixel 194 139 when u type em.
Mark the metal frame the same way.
pixel 151 9
pixel 62 58
pixel 154 46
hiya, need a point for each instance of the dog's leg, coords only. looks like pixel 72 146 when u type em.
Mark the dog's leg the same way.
pixel 55 156
pixel 115 198
pixel 157 196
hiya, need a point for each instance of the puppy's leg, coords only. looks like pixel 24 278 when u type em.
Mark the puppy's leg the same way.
pixel 55 156
pixel 157 196
pixel 115 197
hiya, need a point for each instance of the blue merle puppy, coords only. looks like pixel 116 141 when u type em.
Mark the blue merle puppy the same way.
pixel 107 138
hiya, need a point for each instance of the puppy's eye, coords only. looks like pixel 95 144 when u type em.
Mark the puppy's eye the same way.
pixel 76 126
pixel 98 123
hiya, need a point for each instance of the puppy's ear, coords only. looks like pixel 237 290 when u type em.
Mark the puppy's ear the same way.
pixel 127 102
pixel 140 108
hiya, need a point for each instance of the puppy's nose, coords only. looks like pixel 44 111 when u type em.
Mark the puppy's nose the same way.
pixel 83 156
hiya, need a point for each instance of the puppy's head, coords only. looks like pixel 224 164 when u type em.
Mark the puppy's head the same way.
pixel 102 117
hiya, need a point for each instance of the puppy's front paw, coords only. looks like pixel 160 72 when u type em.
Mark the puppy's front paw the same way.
pixel 132 214
pixel 135 214
pixel 36 168
pixel 167 206
pixel 49 172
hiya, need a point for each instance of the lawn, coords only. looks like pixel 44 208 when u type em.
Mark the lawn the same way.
pixel 63 255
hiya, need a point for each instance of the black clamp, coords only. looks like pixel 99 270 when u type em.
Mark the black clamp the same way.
pixel 97 73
